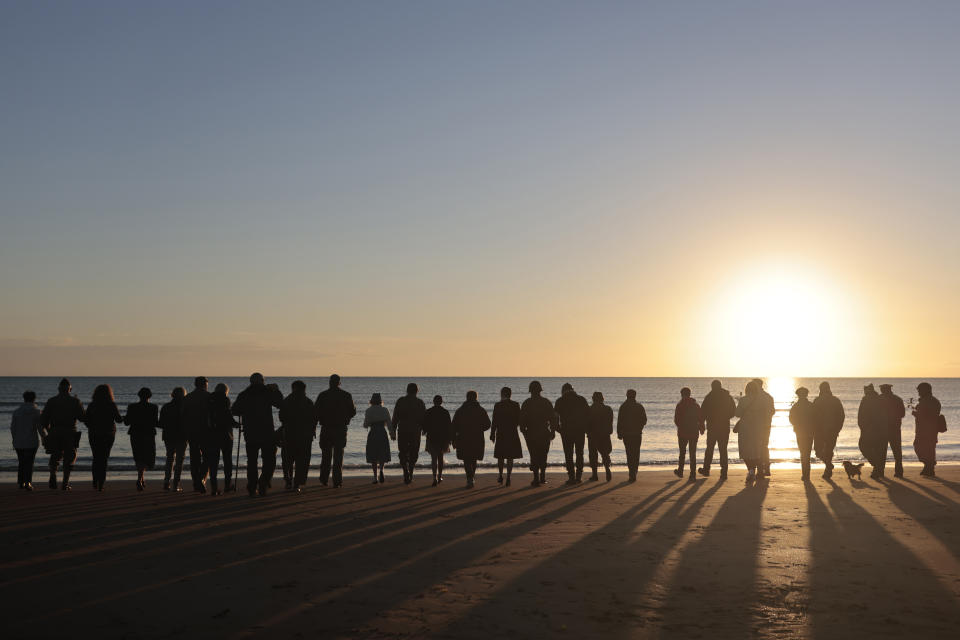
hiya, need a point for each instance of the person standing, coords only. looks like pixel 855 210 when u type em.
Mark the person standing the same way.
pixel 689 425
pixel 59 422
pixel 829 415
pixel 436 426
pixel 174 437
pixel 408 423
pixel 469 423
pixel 219 441
pixel 504 433
pixel 631 419
pixel 803 420
pixel 101 418
pixel 375 419
pixel 574 414
pixel 255 406
pixel 718 409
pixel 767 409
pixel 538 423
pixel 872 420
pixel 24 431
pixel 335 409
pixel 600 426
pixel 143 418
pixel 298 415
pixel 929 422
pixel 195 419
pixel 749 430
pixel 895 411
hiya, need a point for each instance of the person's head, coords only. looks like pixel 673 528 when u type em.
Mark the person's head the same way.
pixel 437 401
pixel 299 387
pixel 751 388
pixel 631 394
pixel 471 396
pixel 200 382
pixel 505 393
pixel 886 388
pixel 64 386
pixel 376 399
pixel 597 397
pixel 256 378
pixel 803 392
pixel 758 382
pixel 412 389
pixel 29 396
pixel 178 393
pixel 925 389
pixel 566 388
pixel 144 394
pixel 715 385
pixel 825 388
pixel 685 392
pixel 102 393
pixel 868 390
pixel 221 389
pixel 535 387
pixel 334 381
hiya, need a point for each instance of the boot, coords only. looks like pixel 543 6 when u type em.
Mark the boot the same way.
pixel 53 480
pixel 543 476
pixel 609 474
pixel 507 483
pixel 500 478
pixel 593 477
pixel 66 480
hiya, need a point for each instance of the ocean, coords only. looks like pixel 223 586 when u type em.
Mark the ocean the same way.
pixel 658 395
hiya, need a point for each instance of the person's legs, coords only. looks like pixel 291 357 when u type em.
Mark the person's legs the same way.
pixel 578 443
pixel 896 448
pixel 593 456
pixel 681 459
pixel 723 439
pixel 500 470
pixel 30 455
pixel 804 443
pixel 21 471
pixel 226 450
pixel 168 464
pixel 708 453
pixel 440 467
pixel 253 452
pixel 692 443
pixel 509 470
pixel 212 458
pixel 286 461
pixel 569 444
pixel 326 459
pixel 374 467
pixel 69 459
pixel 181 452
pixel 269 454
pixel 765 462
pixel 198 471
pixel 338 464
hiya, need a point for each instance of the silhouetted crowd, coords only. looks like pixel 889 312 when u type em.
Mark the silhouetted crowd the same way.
pixel 203 423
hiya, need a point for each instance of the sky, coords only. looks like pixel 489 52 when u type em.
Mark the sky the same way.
pixel 480 188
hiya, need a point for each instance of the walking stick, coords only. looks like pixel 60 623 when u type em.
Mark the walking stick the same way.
pixel 236 467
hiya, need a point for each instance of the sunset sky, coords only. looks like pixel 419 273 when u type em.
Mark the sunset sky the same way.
pixel 495 188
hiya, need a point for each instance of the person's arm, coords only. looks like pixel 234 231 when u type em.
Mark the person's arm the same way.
pixel 396 414
pixel 643 416
pixel 676 415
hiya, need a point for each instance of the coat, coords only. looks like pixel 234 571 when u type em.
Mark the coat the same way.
pixel 221 417
pixel 631 419
pixel 573 412
pixel 142 418
pixel 600 427
pixel 255 406
pixel 872 420
pixel 893 405
pixel 408 415
pixel 469 423
pixel 171 422
pixel 828 414
pixel 687 418
pixel 538 420
pixel 335 409
pixel 436 426
pixel 25 425
pixel 298 415
pixel 718 409
pixel 102 418
pixel 61 413
pixel 504 430
pixel 750 428
pixel 195 415
pixel 803 417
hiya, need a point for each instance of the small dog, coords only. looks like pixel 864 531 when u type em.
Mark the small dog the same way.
pixel 852 469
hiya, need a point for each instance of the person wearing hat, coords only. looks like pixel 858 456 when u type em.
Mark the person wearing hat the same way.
pixel 538 423
pixel 143 418
pixel 469 423
pixel 376 419
pixel 504 433
pixel 928 423
pixel 174 437
pixel 436 426
pixel 335 410
pixel 574 415
pixel 893 405
pixel 59 422
pixel 599 428
pixel 196 421
pixel 828 416
pixel 255 406
pixel 631 419
pixel 872 420
pixel 408 423
pixel 802 419
pixel 718 409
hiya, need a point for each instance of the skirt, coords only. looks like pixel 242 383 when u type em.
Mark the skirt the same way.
pixel 507 446
pixel 144 450
pixel 378 445
pixel 437 447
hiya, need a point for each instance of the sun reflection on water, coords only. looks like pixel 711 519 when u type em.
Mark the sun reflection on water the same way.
pixel 781 434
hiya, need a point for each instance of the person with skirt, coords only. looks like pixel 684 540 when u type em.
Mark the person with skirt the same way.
pixel 504 433
pixel 599 428
pixel 24 430
pixel 101 418
pixel 469 423
pixel 436 426
pixel 143 419
pixel 376 419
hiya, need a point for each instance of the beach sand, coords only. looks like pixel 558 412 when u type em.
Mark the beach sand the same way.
pixel 657 558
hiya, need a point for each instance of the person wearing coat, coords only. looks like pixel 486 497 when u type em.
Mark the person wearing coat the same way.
pixel 219 440
pixel 538 423
pixel 436 426
pixel 573 413
pixel 469 423
pixel 408 424
pixel 718 409
pixel 174 437
pixel 631 419
pixel 335 409
pixel 895 411
pixel 375 419
pixel 802 419
pixel 24 431
pixel 298 415
pixel 143 418
pixel 749 430
pixel 101 418
pixel 255 406
pixel 872 420
pixel 58 422
pixel 195 420
pixel 504 433
pixel 929 423
pixel 767 409
pixel 689 423
pixel 599 428
pixel 828 417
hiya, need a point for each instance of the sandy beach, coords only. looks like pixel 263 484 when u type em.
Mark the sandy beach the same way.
pixel 657 558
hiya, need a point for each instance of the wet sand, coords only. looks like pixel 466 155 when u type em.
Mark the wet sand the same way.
pixel 657 558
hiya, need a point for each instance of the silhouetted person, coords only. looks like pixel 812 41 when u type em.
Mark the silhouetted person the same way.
pixel 574 414
pixel 689 424
pixel 174 436
pixel 255 406
pixel 895 411
pixel 504 433
pixel 298 415
pixel 437 428
pixel 872 420
pixel 769 409
pixel 219 441
pixel 101 418
pixel 196 420
pixel 469 423
pixel 25 425
pixel 929 423
pixel 749 429
pixel 143 418
pixel 538 423
pixel 631 419
pixel 376 419
pixel 829 416
pixel 59 422
pixel 599 428
pixel 803 420
pixel 408 423
pixel 718 408
pixel 335 409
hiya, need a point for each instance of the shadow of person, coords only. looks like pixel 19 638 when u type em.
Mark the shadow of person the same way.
pixel 936 515
pixel 863 582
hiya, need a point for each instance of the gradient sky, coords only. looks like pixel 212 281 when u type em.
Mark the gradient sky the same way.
pixel 495 188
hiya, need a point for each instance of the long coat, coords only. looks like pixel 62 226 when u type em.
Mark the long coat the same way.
pixel 872 420
pixel 506 420
pixel 600 427
pixel 469 423
pixel 631 419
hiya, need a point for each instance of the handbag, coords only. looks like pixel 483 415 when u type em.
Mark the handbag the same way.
pixel 941 423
